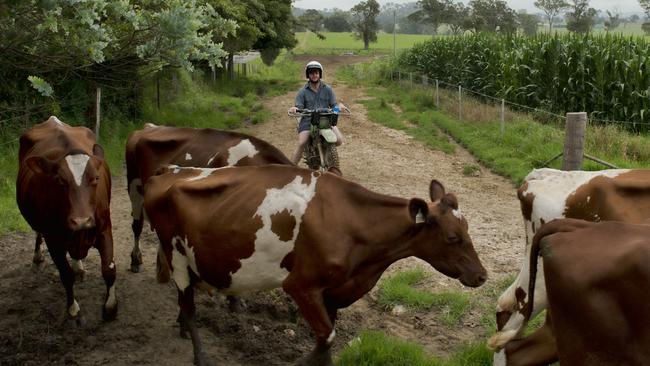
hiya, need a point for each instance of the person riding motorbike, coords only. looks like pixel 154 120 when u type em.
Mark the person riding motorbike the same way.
pixel 314 95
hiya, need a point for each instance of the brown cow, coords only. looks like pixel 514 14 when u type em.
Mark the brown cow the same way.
pixel 547 194
pixel 325 240
pixel 156 146
pixel 63 191
pixel 596 276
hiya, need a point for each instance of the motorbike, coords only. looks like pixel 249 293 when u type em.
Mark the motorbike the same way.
pixel 320 152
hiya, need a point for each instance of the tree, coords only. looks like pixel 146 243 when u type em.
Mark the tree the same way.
pixel 312 19
pixel 634 18
pixel 278 26
pixel 338 22
pixel 432 12
pixel 580 18
pixel 458 17
pixel 492 16
pixel 551 8
pixel 528 23
pixel 364 21
pixel 613 20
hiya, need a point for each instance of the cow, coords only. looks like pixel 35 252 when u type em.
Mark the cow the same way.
pixel 324 239
pixel 547 194
pixel 596 275
pixel 63 191
pixel 157 146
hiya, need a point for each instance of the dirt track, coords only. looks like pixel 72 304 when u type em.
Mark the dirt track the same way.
pixel 265 333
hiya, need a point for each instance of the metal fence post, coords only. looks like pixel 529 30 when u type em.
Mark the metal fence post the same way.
pixel 425 80
pixel 437 96
pixel 503 117
pixel 460 102
pixel 574 140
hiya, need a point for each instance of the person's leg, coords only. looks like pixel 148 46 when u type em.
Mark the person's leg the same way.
pixel 339 136
pixel 303 137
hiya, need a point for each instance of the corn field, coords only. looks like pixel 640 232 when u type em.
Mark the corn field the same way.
pixel 607 76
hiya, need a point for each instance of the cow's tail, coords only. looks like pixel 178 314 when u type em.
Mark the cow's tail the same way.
pixel 162 266
pixel 553 227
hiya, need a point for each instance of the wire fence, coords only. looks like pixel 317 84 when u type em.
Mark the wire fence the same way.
pixel 423 80
pixel 468 105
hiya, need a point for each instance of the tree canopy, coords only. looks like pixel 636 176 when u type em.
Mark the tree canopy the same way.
pixel 364 21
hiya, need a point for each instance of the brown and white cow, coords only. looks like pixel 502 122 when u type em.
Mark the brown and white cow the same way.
pixel 63 191
pixel 325 240
pixel 596 277
pixel 547 194
pixel 157 146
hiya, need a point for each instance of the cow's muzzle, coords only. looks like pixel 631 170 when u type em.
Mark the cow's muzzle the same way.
pixel 81 223
pixel 475 280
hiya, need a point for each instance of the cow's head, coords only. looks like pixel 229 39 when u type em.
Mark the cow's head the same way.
pixel 73 181
pixel 442 238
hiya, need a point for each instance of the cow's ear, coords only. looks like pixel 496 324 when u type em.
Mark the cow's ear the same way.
pixel 436 190
pixel 98 151
pixel 41 165
pixel 418 210
pixel 450 200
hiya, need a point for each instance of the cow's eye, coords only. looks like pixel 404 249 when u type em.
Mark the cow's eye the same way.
pixel 454 239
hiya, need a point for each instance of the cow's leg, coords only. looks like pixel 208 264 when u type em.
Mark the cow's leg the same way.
pixel 73 315
pixel 539 348
pixel 137 201
pixel 78 269
pixel 312 307
pixel 39 259
pixel 136 254
pixel 187 312
pixel 105 248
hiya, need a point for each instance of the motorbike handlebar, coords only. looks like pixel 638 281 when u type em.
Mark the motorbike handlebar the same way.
pixel 345 111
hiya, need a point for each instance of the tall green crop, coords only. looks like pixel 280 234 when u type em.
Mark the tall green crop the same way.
pixel 607 76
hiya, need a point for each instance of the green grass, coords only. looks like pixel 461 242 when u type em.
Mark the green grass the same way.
pixel 399 289
pixel 377 349
pixel 341 42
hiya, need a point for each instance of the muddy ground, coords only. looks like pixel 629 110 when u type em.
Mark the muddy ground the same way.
pixel 266 332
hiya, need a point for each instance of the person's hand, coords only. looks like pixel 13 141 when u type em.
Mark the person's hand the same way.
pixel 293 110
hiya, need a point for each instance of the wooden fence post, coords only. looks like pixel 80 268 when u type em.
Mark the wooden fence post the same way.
pixel 574 140
pixel 98 103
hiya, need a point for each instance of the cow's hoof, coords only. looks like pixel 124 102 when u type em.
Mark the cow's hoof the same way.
pixel 136 268
pixel 79 276
pixel 202 360
pixel 74 322
pixel 316 358
pixel 37 267
pixel 109 314
pixel 235 304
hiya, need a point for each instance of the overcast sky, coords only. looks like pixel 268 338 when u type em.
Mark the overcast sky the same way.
pixel 625 6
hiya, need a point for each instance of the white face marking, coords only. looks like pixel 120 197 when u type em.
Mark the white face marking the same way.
pixel 188 156
pixel 111 301
pixel 262 270
pixel 331 337
pixel 77 165
pixel 212 158
pixel 73 310
pixel 458 214
pixel 112 265
pixel 419 218
pixel 244 149
pixel 137 200
pixel 181 264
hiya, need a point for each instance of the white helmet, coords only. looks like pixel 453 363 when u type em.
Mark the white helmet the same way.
pixel 313 65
